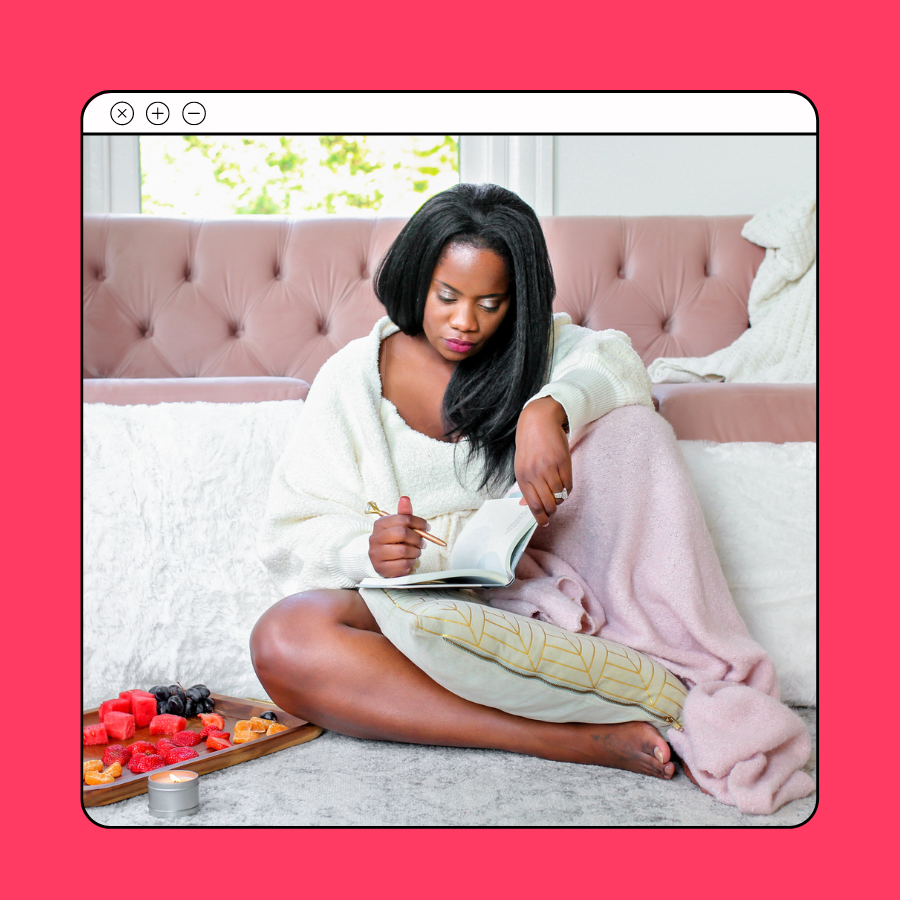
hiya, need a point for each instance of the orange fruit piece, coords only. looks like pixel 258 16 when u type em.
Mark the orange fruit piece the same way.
pixel 243 725
pixel 243 737
pixel 260 725
pixel 91 765
pixel 115 769
pixel 97 778
pixel 275 727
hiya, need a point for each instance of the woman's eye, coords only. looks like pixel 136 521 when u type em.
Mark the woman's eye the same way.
pixel 446 299
pixel 488 308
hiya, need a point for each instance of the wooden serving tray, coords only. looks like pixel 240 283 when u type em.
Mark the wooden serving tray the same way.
pixel 231 709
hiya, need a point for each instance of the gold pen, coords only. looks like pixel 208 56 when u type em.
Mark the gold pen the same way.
pixel 372 508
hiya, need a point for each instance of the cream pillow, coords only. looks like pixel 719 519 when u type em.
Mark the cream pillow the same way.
pixel 524 666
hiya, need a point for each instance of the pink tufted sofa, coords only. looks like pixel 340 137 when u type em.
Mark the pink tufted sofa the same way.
pixel 248 308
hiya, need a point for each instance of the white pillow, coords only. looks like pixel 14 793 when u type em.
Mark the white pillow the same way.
pixel 524 666
pixel 173 497
pixel 759 502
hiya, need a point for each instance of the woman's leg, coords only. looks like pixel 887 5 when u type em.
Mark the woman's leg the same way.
pixel 321 656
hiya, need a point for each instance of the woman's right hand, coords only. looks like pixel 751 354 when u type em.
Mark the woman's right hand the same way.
pixel 393 546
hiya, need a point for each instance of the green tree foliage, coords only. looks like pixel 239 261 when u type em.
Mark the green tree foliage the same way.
pixel 391 175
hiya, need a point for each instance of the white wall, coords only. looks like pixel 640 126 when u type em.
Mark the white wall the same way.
pixel 650 175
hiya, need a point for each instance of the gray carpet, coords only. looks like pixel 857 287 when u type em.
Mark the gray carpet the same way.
pixel 340 781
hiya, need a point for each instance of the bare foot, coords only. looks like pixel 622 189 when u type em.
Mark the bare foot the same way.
pixel 634 746
pixel 689 773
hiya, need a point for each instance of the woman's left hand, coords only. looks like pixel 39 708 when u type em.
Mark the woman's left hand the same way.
pixel 543 462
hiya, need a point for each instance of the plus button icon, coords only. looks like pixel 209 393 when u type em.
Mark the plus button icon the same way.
pixel 157 113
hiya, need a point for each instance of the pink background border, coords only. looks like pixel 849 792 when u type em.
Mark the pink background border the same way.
pixel 53 65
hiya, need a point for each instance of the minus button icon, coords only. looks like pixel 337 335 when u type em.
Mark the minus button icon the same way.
pixel 193 113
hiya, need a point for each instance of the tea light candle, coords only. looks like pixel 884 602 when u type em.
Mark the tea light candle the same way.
pixel 173 794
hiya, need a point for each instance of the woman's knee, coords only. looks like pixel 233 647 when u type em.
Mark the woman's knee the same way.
pixel 628 430
pixel 291 635
pixel 287 633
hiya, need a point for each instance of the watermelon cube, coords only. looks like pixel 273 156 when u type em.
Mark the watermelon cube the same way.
pixel 94 734
pixel 120 704
pixel 119 725
pixel 141 704
pixel 167 724
pixel 143 709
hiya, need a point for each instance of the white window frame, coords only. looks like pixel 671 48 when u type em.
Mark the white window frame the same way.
pixel 111 175
pixel 522 163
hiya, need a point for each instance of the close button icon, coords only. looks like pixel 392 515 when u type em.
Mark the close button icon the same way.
pixel 122 113
pixel 194 113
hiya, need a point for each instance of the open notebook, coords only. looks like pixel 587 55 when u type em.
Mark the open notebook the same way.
pixel 484 555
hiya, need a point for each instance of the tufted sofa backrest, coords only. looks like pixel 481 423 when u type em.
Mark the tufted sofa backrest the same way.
pixel 272 296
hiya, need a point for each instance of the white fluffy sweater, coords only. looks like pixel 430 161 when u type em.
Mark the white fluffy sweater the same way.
pixel 352 446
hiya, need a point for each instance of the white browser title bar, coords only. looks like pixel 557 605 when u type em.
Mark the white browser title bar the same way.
pixel 405 112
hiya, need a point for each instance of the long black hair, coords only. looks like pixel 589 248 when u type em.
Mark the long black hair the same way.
pixel 486 392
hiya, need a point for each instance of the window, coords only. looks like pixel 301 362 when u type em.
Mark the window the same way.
pixel 192 175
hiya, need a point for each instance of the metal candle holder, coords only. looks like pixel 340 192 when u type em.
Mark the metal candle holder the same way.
pixel 173 794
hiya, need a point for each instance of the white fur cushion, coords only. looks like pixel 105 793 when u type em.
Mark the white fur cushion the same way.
pixel 173 498
pixel 759 502
pixel 174 495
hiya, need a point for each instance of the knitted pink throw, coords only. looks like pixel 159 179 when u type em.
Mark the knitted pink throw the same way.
pixel 628 557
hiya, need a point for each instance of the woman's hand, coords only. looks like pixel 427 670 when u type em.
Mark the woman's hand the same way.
pixel 393 546
pixel 543 462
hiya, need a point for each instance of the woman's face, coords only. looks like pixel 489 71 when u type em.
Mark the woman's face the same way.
pixel 467 301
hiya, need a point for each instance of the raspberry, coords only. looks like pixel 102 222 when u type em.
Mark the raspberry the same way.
pixel 140 763
pixel 180 754
pixel 163 746
pixel 144 747
pixel 186 739
pixel 116 753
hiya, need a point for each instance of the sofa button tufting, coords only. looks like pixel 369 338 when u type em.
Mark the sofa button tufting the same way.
pixel 621 273
pixel 187 275
pixel 101 276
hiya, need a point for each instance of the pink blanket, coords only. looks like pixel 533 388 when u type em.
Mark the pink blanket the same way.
pixel 628 557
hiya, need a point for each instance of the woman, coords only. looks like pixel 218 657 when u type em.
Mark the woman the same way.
pixel 468 385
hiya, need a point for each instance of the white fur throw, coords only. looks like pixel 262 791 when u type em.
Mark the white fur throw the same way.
pixel 780 344
pixel 174 495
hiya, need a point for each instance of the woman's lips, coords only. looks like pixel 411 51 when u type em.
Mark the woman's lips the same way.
pixel 458 346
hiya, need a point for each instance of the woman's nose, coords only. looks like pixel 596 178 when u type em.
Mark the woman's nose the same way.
pixel 463 317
